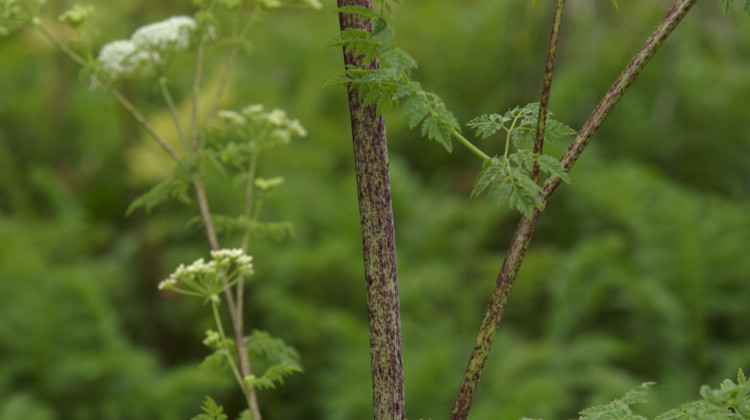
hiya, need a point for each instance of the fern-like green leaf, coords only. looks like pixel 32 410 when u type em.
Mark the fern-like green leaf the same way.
pixel 726 4
pixel 493 170
pixel 524 196
pixel 415 109
pixel 731 397
pixel 548 164
pixel 398 60
pixel 524 159
pixel 487 125
pixel 619 408
pixel 436 127
pixel 508 183
pixel 282 359
pixel 211 411
pixel 245 415
pixel 171 188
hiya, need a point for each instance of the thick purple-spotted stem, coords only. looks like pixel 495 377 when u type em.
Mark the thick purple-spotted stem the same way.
pixel 526 226
pixel 549 68
pixel 378 237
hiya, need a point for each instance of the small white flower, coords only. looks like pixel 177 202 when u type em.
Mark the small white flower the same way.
pixel 246 270
pixel 282 135
pixel 168 284
pixel 297 129
pixel 172 34
pixel 201 267
pixel 210 33
pixel 232 117
pixel 122 59
pixel 227 254
pixel 314 4
pixel 276 117
pixel 252 109
pixel 237 256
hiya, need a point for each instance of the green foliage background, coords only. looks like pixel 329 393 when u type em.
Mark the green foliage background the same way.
pixel 637 272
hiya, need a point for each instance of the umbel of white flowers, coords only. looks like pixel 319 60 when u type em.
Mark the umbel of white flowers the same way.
pixel 204 279
pixel 146 51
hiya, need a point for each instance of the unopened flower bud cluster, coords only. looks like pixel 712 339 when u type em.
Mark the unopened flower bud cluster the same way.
pixel 16 13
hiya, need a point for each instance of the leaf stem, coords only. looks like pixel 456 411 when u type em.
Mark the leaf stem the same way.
pixel 224 346
pixel 507 137
pixel 173 112
pixel 470 146
pixel 70 53
pixel 547 85
pixel 118 95
pixel 228 66
pixel 142 121
pixel 526 226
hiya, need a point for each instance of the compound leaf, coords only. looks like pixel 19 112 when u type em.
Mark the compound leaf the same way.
pixel 548 164
pixel 211 411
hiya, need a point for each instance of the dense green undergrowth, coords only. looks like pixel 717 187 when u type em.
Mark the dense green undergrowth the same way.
pixel 637 274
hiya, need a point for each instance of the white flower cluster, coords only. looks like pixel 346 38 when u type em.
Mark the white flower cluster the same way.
pixel 225 258
pixel 121 59
pixel 172 34
pixel 188 275
pixel 144 53
pixel 280 127
pixel 209 278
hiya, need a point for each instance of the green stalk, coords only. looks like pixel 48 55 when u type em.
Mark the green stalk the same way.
pixel 225 347
pixel 526 226
pixel 173 112
pixel 378 237
pixel 235 312
pixel 469 145
pixel 118 95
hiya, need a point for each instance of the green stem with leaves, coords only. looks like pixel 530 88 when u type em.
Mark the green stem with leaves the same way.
pixel 233 306
pixel 526 226
pixel 378 236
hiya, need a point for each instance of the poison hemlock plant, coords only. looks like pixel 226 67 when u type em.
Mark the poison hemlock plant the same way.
pixel 224 143
pixel 385 81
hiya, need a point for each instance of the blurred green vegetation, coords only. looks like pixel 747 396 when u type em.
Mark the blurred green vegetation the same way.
pixel 636 273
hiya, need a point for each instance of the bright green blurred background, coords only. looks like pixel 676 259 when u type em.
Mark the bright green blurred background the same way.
pixel 637 272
